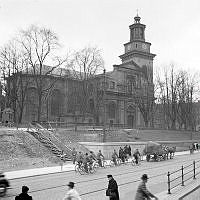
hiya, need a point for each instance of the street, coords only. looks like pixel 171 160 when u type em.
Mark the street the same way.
pixel 90 187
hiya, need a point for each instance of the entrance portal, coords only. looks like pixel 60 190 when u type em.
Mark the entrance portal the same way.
pixel 131 119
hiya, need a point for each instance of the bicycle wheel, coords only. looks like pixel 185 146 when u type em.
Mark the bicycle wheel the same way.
pixel 76 168
pixel 81 170
pixel 119 161
pixel 112 164
pixel 104 163
pixel 133 162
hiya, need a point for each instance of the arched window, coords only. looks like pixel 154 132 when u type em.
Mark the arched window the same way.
pixel 56 102
pixel 131 109
pixel 111 109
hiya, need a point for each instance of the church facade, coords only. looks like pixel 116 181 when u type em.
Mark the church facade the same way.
pixel 127 80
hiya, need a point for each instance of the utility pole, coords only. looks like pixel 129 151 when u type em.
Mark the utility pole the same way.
pixel 104 106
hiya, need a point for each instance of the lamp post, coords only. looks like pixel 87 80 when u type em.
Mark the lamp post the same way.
pixel 104 106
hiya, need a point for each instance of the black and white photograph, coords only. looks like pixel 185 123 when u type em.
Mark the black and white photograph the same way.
pixel 99 99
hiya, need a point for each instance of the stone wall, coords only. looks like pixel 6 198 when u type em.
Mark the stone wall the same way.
pixel 108 147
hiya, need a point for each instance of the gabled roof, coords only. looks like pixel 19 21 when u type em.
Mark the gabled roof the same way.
pixel 127 65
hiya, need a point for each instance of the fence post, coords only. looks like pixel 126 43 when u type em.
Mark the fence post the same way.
pixel 168 175
pixel 182 176
pixel 194 170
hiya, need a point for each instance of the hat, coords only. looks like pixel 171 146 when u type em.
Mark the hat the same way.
pixel 25 189
pixel 144 177
pixel 71 184
pixel 109 176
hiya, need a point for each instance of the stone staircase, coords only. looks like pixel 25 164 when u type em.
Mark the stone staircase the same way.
pixel 49 140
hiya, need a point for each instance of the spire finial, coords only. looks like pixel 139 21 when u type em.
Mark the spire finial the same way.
pixel 137 12
pixel 137 18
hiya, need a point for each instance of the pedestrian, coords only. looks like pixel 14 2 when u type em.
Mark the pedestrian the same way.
pixel 142 192
pixel 71 194
pixel 136 156
pixel 197 146
pixel 24 195
pixel 129 150
pixel 112 190
pixel 100 158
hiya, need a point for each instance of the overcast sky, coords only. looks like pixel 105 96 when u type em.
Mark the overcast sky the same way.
pixel 172 26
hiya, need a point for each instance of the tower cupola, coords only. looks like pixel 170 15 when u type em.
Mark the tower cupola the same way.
pixel 137 30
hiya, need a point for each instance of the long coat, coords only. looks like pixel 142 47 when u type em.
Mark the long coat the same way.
pixel 23 196
pixel 113 187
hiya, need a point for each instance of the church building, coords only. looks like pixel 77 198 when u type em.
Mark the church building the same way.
pixel 113 100
pixel 127 80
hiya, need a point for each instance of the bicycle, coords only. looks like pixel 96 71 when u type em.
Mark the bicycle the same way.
pixel 103 163
pixel 91 168
pixel 133 161
pixel 118 162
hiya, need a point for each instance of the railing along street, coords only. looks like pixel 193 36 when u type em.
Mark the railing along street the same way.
pixel 180 176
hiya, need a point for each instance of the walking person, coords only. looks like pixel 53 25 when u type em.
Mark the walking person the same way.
pixel 112 190
pixel 24 195
pixel 71 194
pixel 142 192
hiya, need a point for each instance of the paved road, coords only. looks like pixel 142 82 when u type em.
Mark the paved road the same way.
pixel 53 186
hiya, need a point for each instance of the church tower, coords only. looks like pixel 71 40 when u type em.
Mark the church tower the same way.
pixel 137 49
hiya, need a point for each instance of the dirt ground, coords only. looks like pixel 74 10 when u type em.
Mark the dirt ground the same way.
pixel 20 150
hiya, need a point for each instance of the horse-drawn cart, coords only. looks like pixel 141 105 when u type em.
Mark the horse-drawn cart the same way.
pixel 155 151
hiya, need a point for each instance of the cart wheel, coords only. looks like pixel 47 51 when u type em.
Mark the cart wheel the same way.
pixel 3 189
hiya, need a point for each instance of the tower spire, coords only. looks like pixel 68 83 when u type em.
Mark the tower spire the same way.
pixel 137 18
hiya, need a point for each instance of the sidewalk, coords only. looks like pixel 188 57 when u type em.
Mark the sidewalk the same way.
pixel 51 170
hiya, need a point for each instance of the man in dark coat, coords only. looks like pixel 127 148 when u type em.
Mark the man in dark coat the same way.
pixel 113 188
pixel 24 195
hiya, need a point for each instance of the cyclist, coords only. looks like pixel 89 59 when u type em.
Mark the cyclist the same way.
pixel 100 157
pixel 92 158
pixel 114 157
pixel 80 158
pixel 86 160
pixel 74 155
pixel 121 153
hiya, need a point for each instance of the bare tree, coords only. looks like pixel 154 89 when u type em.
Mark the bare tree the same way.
pixel 86 64
pixel 39 45
pixel 13 66
pixel 176 96
pixel 144 98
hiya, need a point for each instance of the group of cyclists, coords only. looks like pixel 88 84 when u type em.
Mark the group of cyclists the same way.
pixel 88 159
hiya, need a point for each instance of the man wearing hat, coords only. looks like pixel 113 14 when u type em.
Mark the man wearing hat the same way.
pixel 24 195
pixel 72 194
pixel 112 190
pixel 142 192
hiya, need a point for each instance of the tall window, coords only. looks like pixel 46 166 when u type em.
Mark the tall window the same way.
pixel 111 109
pixel 91 105
pixel 31 104
pixel 56 103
